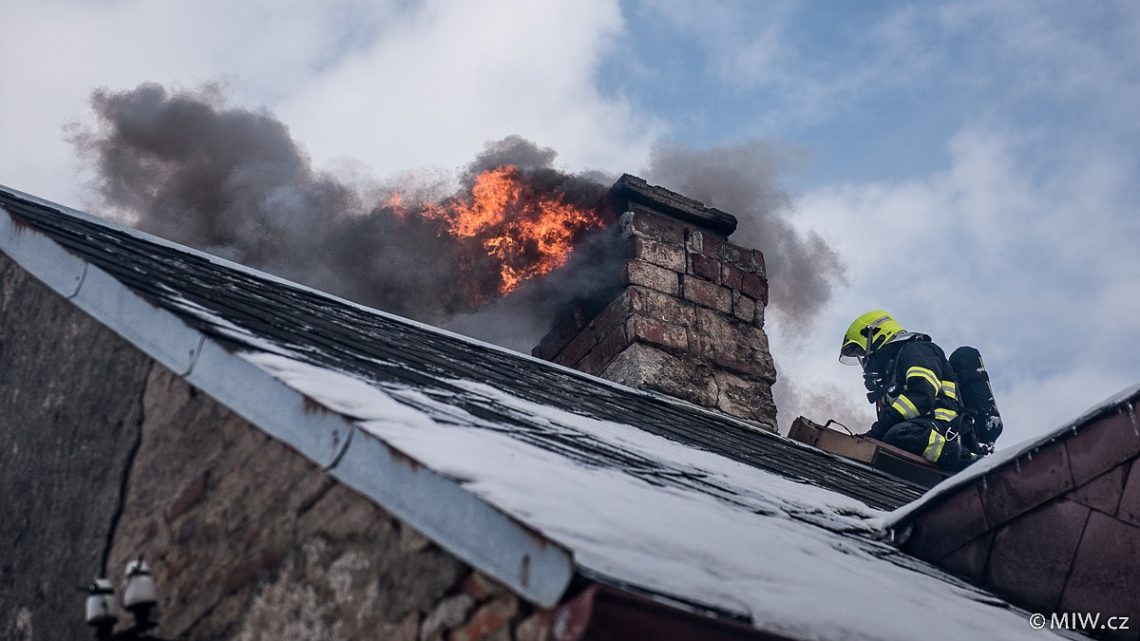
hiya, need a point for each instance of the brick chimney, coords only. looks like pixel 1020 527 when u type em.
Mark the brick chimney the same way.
pixel 688 317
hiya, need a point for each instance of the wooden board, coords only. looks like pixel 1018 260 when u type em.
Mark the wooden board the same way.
pixel 875 453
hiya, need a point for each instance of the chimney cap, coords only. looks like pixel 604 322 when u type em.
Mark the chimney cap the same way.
pixel 670 202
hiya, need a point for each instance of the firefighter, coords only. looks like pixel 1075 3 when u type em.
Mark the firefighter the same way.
pixel 912 386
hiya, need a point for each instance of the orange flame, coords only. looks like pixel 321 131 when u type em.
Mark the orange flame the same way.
pixel 529 234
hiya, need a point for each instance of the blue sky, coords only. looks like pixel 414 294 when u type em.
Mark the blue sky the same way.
pixel 974 163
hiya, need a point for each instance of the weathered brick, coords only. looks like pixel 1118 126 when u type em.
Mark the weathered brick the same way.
pixel 733 344
pixel 667 255
pixel 710 245
pixel 577 348
pixel 607 348
pixel 536 627
pixel 482 587
pixel 743 307
pixel 653 226
pixel 752 260
pixel 731 276
pixel 661 306
pixel 649 330
pixel 637 272
pixel 705 267
pixel 648 367
pixel 488 619
pixel 707 294
pixel 747 398
pixel 614 314
pixel 755 287
pixel 565 327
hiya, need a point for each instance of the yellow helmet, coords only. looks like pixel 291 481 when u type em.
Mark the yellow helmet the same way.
pixel 868 333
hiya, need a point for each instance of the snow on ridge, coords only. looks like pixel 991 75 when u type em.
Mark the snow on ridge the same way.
pixel 754 556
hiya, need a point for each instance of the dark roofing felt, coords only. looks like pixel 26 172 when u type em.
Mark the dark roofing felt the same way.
pixel 385 348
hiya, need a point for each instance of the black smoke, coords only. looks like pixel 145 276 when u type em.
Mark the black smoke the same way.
pixel 233 182
pixel 746 180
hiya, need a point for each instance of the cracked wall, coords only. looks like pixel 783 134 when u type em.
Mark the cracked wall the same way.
pixel 70 411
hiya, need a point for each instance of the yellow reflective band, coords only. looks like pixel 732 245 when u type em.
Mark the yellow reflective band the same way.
pixel 934 446
pixel 903 406
pixel 928 375
pixel 950 390
pixel 944 414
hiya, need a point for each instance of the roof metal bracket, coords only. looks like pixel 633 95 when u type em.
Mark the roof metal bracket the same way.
pixel 79 282
pixel 343 447
pixel 194 354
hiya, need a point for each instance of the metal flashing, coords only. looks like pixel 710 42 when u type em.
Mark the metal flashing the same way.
pixel 481 535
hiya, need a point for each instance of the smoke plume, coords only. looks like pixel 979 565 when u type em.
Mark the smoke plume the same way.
pixel 744 180
pixel 234 183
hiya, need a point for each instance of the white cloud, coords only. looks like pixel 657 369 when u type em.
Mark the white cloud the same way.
pixel 393 86
pixel 1037 269
pixel 449 76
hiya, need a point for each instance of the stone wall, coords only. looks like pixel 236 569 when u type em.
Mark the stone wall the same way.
pixel 70 407
pixel 689 322
pixel 108 455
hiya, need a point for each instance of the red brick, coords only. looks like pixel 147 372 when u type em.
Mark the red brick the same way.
pixel 607 348
pixel 1017 487
pixel 731 276
pixel 576 349
pixel 653 226
pixel 710 295
pixel 947 526
pixel 639 272
pixel 481 587
pixel 653 331
pixel 488 619
pixel 1031 555
pixel 713 246
pixel 615 313
pixel 1105 573
pixel 1102 445
pixel 752 260
pixel 661 306
pixel 705 267
pixel 755 287
pixel 970 560
pixel 1103 492
pixel 1129 509
pixel 665 255
pixel 743 307
pixel 565 327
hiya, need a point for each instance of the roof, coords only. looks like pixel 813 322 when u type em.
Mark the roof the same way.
pixel 1121 401
pixel 528 471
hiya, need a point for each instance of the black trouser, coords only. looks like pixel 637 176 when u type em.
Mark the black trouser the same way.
pixel 914 436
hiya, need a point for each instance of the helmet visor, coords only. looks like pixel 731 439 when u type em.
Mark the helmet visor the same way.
pixel 852 353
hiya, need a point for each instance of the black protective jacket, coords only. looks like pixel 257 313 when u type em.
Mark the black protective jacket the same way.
pixel 911 379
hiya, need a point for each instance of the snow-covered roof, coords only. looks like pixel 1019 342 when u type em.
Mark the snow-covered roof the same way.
pixel 527 471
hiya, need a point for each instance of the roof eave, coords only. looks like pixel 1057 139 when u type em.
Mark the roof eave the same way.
pixel 534 567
